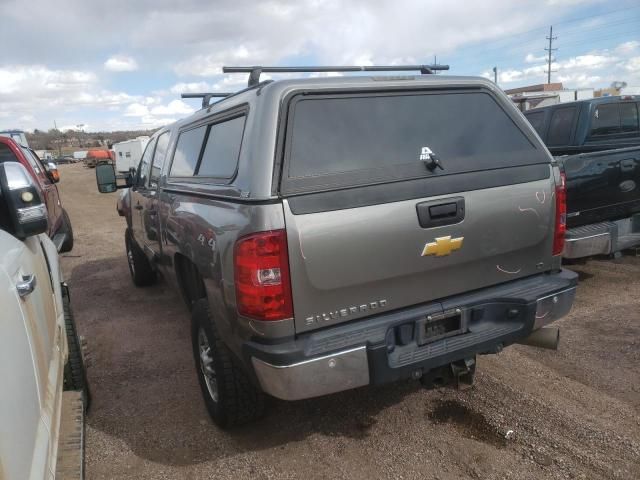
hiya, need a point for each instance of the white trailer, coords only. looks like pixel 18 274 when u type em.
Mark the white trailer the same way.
pixel 45 155
pixel 129 153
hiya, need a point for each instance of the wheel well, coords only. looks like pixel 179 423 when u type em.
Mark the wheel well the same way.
pixel 189 279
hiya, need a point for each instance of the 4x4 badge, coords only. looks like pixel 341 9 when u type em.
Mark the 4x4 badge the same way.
pixel 442 246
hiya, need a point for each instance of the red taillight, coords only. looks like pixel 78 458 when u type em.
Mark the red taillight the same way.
pixel 561 216
pixel 263 285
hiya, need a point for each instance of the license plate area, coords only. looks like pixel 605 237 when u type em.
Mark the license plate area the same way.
pixel 443 325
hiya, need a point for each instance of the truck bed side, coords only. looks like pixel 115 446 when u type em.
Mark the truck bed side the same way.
pixel 602 186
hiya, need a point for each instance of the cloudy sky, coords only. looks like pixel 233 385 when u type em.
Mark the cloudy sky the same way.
pixel 122 64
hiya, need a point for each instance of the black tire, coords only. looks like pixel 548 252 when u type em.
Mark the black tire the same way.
pixel 67 245
pixel 75 372
pixel 235 400
pixel 140 268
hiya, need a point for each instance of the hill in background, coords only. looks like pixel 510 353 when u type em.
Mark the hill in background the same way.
pixel 71 140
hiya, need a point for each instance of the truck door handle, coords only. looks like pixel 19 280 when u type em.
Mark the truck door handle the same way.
pixel 443 211
pixel 627 165
pixel 138 207
pixel 446 211
pixel 26 286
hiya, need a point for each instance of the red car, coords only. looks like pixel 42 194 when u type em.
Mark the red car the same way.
pixel 46 177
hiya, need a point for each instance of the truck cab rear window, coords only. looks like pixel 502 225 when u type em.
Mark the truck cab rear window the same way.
pixel 605 119
pixel 354 140
pixel 561 126
pixel 536 119
pixel 628 117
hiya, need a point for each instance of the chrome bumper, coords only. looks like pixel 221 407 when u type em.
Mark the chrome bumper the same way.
pixel 312 378
pixel 602 238
pixel 588 246
pixel 553 307
pixel 349 368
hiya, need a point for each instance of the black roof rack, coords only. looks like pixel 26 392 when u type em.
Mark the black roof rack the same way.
pixel 254 72
pixel 206 97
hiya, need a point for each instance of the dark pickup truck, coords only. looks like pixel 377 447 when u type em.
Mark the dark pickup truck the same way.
pixel 602 175
pixel 593 125
pixel 603 202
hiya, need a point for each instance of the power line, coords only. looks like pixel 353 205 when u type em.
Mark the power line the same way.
pixel 551 38
pixel 505 38
pixel 573 34
pixel 611 36
pixel 477 59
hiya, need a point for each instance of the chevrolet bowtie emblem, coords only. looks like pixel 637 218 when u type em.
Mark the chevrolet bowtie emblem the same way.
pixel 442 246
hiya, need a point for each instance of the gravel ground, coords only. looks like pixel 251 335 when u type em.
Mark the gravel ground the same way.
pixel 573 413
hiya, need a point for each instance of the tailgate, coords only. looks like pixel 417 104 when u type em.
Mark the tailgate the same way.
pixel 372 228
pixel 602 185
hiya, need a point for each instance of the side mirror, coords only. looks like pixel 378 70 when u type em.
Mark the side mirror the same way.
pixel 27 213
pixel 106 178
pixel 131 177
pixel 52 172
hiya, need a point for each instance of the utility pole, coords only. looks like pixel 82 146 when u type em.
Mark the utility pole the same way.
pixel 58 139
pixel 551 38
pixel 495 74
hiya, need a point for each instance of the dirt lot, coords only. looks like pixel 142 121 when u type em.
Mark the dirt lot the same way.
pixel 574 413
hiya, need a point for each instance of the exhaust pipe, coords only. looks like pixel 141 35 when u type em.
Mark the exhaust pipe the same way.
pixel 545 337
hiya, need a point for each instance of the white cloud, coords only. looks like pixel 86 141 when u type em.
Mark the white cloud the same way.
pixel 588 62
pixel 159 115
pixel 190 87
pixel 211 64
pixel 27 92
pixel 195 38
pixel 136 110
pixel 36 78
pixel 627 48
pixel 175 107
pixel 576 79
pixel 531 58
pixel 633 65
pixel 150 121
pixel 41 87
pixel 591 69
pixel 120 63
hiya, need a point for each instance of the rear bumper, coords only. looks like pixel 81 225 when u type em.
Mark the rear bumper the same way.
pixel 385 348
pixel 602 238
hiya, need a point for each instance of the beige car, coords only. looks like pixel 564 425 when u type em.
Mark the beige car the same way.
pixel 44 388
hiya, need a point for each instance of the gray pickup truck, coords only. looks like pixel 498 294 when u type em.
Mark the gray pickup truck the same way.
pixel 332 233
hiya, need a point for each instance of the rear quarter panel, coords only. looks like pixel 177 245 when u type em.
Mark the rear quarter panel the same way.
pixel 204 230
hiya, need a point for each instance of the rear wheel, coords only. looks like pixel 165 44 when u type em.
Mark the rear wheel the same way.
pixel 229 395
pixel 140 267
